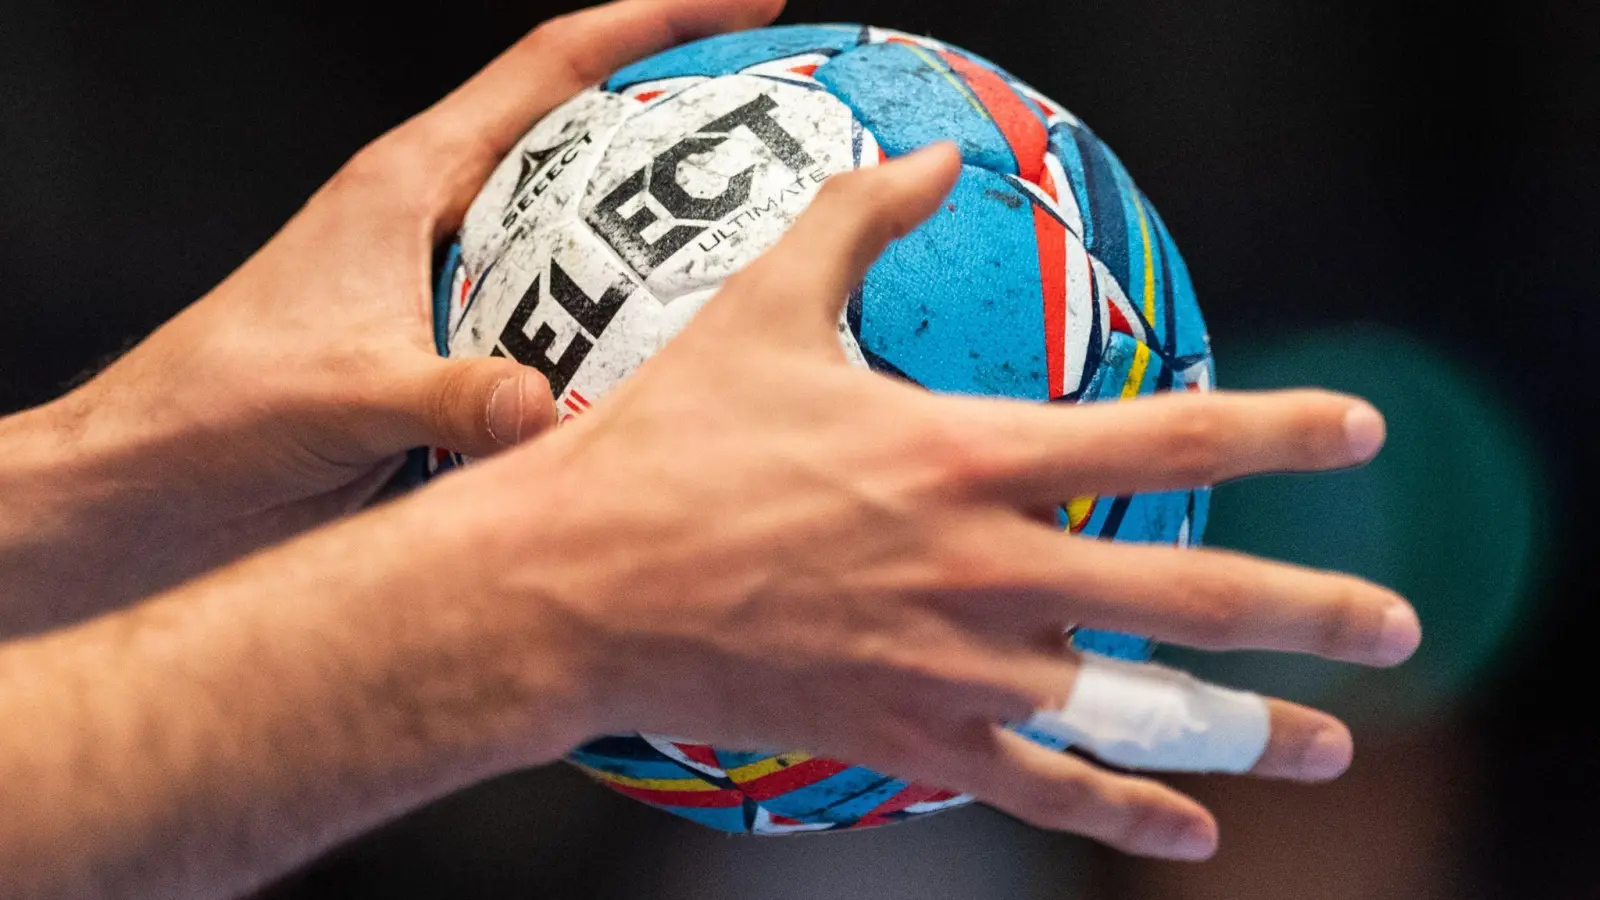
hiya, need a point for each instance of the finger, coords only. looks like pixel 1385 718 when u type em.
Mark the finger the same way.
pixel 805 280
pixel 484 117
pixel 1211 599
pixel 1062 792
pixel 1150 717
pixel 1306 745
pixel 476 407
pixel 1169 442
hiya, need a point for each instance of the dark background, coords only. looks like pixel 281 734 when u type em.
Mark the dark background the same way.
pixel 1415 171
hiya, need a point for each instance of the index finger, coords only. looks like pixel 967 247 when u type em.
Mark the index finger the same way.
pixel 483 118
pixel 1172 441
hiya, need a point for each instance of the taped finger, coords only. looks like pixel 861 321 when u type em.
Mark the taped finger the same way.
pixel 1151 717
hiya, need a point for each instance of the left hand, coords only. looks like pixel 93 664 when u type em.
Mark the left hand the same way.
pixel 288 394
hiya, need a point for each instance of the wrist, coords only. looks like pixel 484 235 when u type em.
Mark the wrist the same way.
pixel 92 514
pixel 565 551
pixel 490 606
pixel 108 495
pixel 55 502
pixel 38 446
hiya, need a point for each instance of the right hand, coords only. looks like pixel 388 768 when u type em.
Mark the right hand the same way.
pixel 755 544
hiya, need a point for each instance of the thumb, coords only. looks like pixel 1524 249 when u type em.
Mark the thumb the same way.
pixel 841 234
pixel 481 406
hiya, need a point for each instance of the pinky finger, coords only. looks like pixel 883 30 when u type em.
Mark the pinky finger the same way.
pixel 1062 792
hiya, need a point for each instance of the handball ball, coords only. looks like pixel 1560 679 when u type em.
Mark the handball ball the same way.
pixel 1045 276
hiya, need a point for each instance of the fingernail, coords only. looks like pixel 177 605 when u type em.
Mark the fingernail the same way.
pixel 1328 755
pixel 505 411
pixel 1194 842
pixel 1363 432
pixel 1399 634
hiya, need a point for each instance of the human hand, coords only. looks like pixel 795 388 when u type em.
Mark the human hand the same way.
pixel 287 395
pixel 749 542
pixel 754 544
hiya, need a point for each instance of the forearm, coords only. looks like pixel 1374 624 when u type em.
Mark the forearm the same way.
pixel 64 523
pixel 204 741
pixel 103 502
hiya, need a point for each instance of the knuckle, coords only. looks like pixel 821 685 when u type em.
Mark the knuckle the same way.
pixel 898 744
pixel 1195 443
pixel 446 409
pixel 556 39
pixel 965 565
pixel 903 656
pixel 746 280
pixel 1015 701
pixel 975 558
pixel 1319 434
pixel 1144 824
pixel 1060 804
pixel 374 165
pixel 552 32
pixel 1001 692
pixel 351 378
pixel 843 187
pixel 1344 623
pixel 857 198
pixel 390 169
pixel 759 279
pixel 1307 428
pixel 1214 606
pixel 958 456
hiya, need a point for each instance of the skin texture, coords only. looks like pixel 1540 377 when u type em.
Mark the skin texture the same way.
pixel 750 542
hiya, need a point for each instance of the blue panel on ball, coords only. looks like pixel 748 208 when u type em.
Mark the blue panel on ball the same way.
pixel 728 53
pixel 1198 515
pixel 1097 184
pixel 1125 366
pixel 1065 148
pixel 1185 334
pixel 1154 518
pixel 1111 643
pixel 733 759
pixel 441 299
pixel 843 797
pixel 640 766
pixel 1144 518
pixel 1041 737
pixel 1124 231
pixel 728 818
pixel 957 304
pixel 1117 374
pixel 875 82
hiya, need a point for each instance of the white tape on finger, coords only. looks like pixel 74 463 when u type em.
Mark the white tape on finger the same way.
pixel 1146 716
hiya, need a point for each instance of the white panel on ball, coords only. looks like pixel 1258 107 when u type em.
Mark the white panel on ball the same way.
pixel 696 186
pixel 542 178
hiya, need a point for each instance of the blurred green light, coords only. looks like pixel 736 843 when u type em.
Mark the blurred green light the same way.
pixel 1450 515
